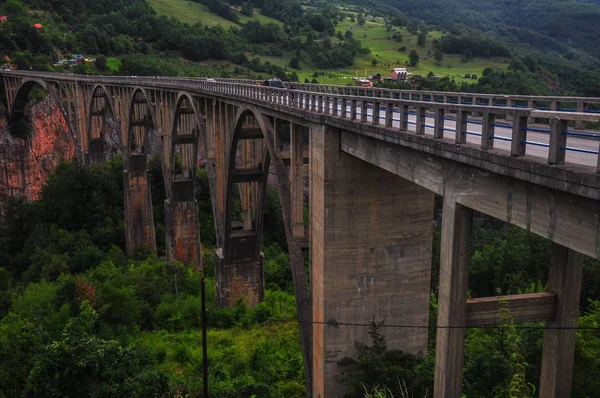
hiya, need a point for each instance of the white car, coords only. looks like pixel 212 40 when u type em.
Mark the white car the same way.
pixel 211 80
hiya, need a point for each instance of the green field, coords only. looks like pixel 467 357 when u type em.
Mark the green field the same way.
pixel 385 50
pixel 373 35
pixel 191 12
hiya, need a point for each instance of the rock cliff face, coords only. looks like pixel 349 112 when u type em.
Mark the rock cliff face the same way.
pixel 25 163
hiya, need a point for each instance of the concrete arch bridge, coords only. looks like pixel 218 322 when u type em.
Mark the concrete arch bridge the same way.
pixel 374 159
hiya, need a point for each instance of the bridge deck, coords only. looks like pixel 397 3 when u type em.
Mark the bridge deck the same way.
pixel 528 138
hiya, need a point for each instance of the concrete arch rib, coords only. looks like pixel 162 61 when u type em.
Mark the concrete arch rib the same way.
pixel 246 168
pixel 140 110
pixel 55 91
pixel 100 104
pixel 181 208
pixel 139 216
pixel 183 132
pixel 21 96
pixel 303 304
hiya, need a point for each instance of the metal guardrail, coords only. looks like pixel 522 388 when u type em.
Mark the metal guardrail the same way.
pixel 392 110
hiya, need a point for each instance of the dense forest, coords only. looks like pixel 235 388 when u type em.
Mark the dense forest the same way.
pixel 79 318
pixel 132 30
pixel 560 34
pixel 555 39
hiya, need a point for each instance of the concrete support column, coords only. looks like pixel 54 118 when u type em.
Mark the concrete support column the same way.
pixel 509 104
pixel 297 180
pixel 581 107
pixel 530 104
pixel 566 267
pixel 139 217
pixel 438 131
pixel 475 102
pixel 181 225
pixel 420 119
pixel 452 298
pixel 371 236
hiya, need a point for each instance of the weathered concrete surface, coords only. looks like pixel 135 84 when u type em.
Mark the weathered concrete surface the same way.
pixel 139 216
pixel 452 297
pixel 371 235
pixel 571 178
pixel 239 279
pixel 568 219
pixel 183 232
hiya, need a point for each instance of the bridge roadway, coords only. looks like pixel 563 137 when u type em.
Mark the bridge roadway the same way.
pixel 587 144
pixel 371 193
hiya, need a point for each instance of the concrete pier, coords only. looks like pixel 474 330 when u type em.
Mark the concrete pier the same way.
pixel 139 217
pixel 371 236
pixel 181 225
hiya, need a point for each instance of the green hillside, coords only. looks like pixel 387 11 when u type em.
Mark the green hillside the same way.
pixel 373 35
pixel 192 13
pixel 324 41
pixel 385 50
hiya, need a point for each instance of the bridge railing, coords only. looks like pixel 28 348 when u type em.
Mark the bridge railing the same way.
pixel 442 120
pixel 556 103
pixel 489 125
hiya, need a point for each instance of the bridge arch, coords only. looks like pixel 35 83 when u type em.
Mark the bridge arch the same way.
pixel 142 119
pixel 54 90
pixel 179 168
pixel 139 215
pixel 180 160
pixel 100 107
pixel 240 270
pixel 21 96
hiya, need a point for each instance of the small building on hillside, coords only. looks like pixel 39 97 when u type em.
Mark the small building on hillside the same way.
pixel 38 25
pixel 2 18
pixel 376 76
pixel 362 82
pixel 398 73
pixel 77 59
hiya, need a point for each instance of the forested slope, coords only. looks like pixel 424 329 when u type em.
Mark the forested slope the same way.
pixel 552 41
pixel 554 24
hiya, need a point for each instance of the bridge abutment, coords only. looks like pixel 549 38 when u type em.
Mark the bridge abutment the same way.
pixel 371 237
pixel 181 225
pixel 139 216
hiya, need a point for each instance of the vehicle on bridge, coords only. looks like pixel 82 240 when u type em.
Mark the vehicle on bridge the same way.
pixel 273 83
